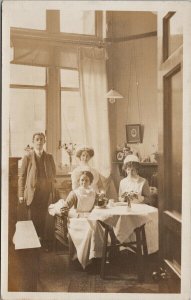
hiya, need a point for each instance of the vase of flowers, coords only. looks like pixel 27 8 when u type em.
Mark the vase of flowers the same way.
pixel 28 149
pixel 70 149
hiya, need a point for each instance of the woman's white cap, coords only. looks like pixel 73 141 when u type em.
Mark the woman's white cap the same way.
pixel 131 157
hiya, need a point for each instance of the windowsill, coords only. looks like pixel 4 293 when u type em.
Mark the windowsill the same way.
pixel 63 174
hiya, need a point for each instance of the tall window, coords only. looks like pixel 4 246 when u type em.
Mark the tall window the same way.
pixel 80 22
pixel 71 110
pixel 24 14
pixel 27 106
pixel 49 40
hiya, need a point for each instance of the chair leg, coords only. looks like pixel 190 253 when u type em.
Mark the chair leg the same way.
pixel 144 241
pixel 104 253
pixel 114 249
pixel 140 270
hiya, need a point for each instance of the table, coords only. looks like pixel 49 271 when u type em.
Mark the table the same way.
pixel 24 258
pixel 87 233
pixel 25 236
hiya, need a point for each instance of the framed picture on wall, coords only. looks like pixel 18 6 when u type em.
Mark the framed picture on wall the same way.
pixel 133 133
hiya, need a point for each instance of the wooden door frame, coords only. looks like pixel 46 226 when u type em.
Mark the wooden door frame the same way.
pixel 167 67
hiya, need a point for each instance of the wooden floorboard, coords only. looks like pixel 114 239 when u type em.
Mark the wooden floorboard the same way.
pixel 57 275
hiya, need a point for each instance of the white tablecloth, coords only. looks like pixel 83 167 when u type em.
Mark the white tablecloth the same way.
pixel 87 233
pixel 25 236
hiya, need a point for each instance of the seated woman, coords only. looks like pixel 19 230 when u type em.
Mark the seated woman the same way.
pixel 133 184
pixel 138 189
pixel 84 154
pixel 81 199
pixel 77 207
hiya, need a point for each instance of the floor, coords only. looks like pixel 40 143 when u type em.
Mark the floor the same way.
pixel 57 275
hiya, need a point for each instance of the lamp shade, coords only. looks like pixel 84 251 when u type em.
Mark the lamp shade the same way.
pixel 113 94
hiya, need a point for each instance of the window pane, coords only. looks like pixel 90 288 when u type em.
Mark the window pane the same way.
pixel 80 22
pixel 175 32
pixel 27 116
pixel 29 75
pixel 24 14
pixel 71 120
pixel 69 78
pixel 176 140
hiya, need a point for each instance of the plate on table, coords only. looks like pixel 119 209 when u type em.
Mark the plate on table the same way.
pixel 120 204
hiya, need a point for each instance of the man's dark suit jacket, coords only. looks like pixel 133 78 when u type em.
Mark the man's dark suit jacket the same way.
pixel 28 175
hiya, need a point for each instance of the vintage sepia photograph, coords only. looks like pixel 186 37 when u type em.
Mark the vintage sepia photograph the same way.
pixel 96 167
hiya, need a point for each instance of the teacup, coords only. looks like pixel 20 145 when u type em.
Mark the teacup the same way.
pixel 111 203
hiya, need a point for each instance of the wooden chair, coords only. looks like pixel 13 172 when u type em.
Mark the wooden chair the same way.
pixel 139 246
pixel 60 231
pixel 62 235
pixel 63 186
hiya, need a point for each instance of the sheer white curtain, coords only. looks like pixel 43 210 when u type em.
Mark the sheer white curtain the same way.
pixel 93 86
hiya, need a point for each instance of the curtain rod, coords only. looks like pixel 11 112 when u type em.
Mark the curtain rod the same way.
pixel 58 38
pixel 100 43
pixel 131 37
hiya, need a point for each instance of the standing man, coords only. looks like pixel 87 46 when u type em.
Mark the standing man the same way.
pixel 36 179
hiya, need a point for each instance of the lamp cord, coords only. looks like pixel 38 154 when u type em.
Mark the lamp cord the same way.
pixel 137 86
pixel 129 87
pixel 112 52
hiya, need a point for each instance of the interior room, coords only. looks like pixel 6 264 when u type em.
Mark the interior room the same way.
pixel 111 81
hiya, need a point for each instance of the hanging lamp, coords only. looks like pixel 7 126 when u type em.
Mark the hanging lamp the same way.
pixel 112 95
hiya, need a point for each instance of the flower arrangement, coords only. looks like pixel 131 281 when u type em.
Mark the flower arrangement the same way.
pixel 28 149
pixel 153 157
pixel 125 149
pixel 128 197
pixel 70 149
pixel 102 200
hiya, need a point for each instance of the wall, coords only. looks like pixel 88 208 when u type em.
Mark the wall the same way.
pixel 134 69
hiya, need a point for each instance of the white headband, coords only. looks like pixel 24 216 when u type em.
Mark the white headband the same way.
pixel 131 157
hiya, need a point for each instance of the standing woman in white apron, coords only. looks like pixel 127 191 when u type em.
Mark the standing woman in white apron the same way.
pixel 84 154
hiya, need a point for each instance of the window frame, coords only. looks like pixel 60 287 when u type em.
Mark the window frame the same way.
pixel 166 27
pixel 70 89
pixel 41 38
pixel 32 87
pixel 27 86
pixel 98 29
pixel 59 37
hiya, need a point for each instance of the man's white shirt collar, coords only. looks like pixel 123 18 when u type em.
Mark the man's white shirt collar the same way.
pixel 39 153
